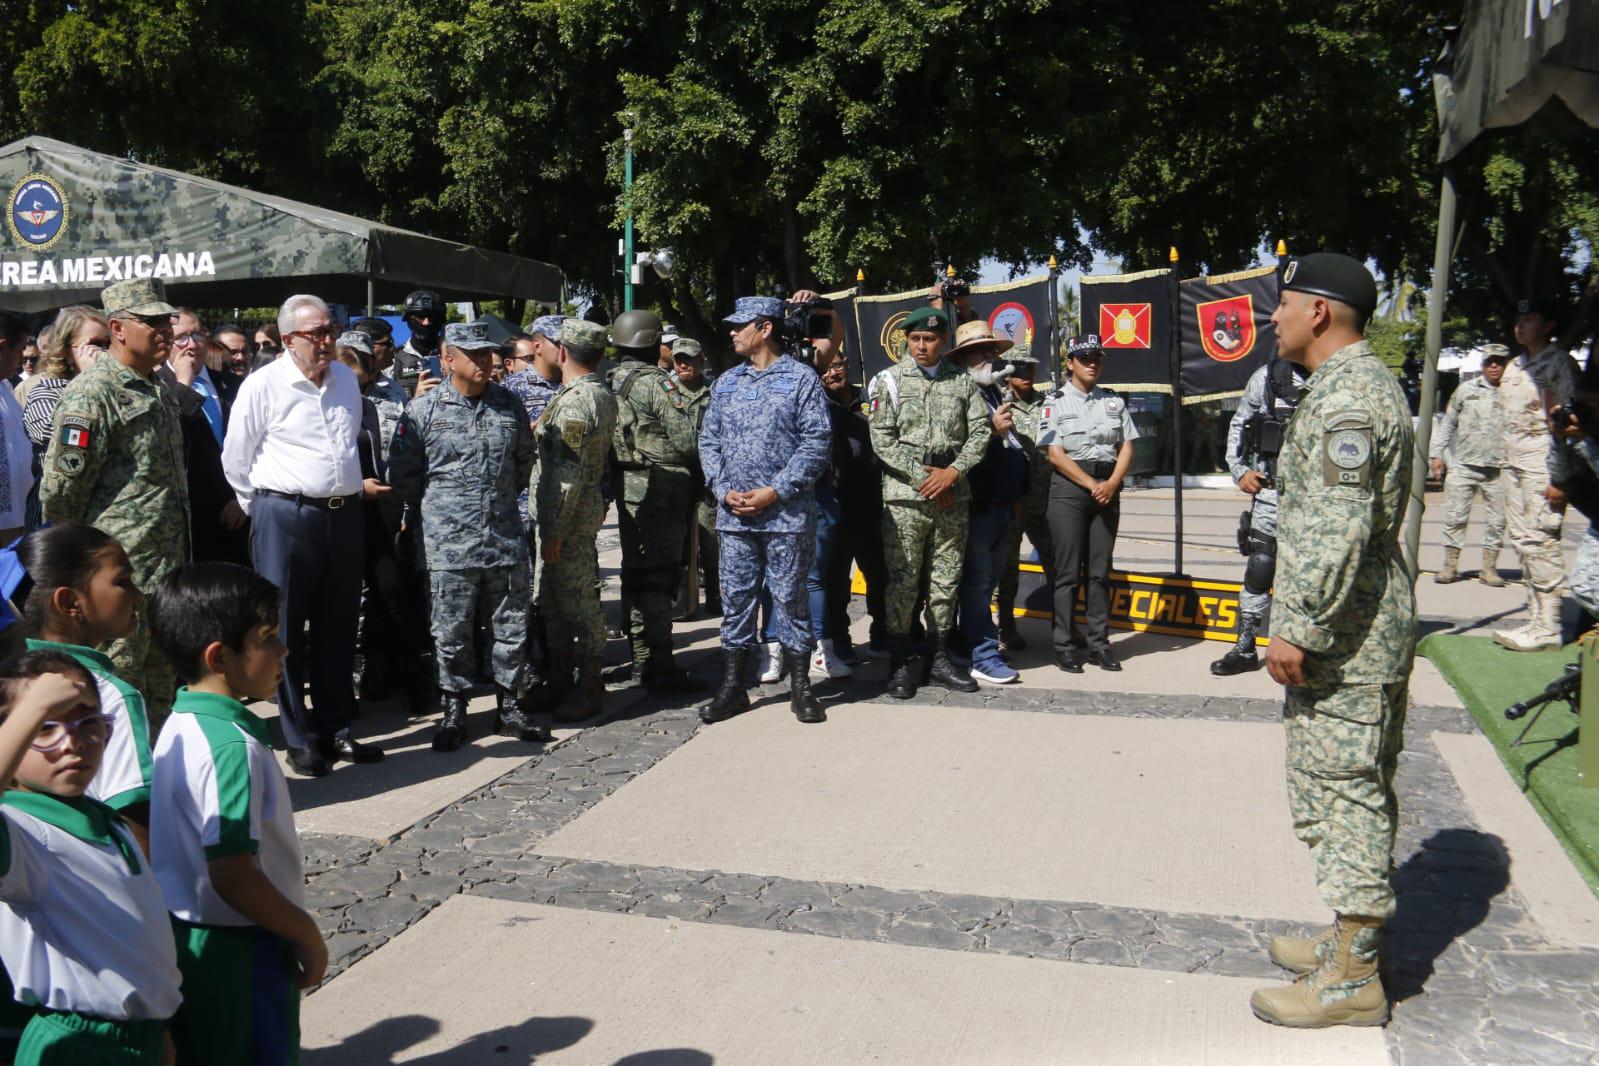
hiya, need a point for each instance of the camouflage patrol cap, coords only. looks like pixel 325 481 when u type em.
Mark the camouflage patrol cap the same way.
pixel 1496 352
pixel 748 308
pixel 589 336
pixel 137 296
pixel 1023 353
pixel 548 327
pixel 686 348
pixel 469 336
pixel 357 339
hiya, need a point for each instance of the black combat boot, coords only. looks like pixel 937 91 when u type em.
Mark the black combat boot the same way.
pixel 452 727
pixel 583 700
pixel 901 675
pixel 733 697
pixel 801 700
pixel 558 677
pixel 663 677
pixel 511 718
pixel 944 672
pixel 1241 657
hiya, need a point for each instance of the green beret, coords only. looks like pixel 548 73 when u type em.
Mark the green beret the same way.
pixel 1337 277
pixel 926 320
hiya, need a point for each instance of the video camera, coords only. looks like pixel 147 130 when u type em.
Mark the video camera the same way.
pixel 951 289
pixel 804 322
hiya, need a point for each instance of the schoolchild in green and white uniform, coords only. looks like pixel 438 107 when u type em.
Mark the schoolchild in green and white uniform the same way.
pixel 222 836
pixel 83 927
pixel 83 596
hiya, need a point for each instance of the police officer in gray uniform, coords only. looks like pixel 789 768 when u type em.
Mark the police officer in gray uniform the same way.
pixel 465 454
pixel 1087 434
pixel 1254 437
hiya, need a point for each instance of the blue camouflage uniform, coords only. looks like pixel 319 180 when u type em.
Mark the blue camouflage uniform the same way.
pixel 766 428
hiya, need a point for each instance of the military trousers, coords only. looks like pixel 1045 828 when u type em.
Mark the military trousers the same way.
pixel 1534 528
pixel 1585 573
pixel 922 540
pixel 1084 536
pixel 1461 484
pixel 140 663
pixel 1343 747
pixel 496 595
pixel 1034 523
pixel 781 562
pixel 1263 522
pixel 705 515
pixel 569 599
pixel 653 513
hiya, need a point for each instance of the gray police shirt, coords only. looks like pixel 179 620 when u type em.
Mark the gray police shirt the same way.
pixel 1090 427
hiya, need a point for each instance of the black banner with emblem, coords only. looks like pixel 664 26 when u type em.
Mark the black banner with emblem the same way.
pixel 1226 331
pixel 1017 309
pixel 1132 315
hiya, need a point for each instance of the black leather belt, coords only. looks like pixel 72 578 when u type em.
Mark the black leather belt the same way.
pixel 326 503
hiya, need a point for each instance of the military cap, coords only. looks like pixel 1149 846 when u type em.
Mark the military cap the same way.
pixel 138 296
pixel 926 320
pixel 749 308
pixel 1337 277
pixel 1496 352
pixel 1534 305
pixel 548 327
pixel 576 333
pixel 1023 353
pixel 687 347
pixel 424 302
pixel 360 340
pixel 376 328
pixel 469 336
pixel 669 333
pixel 1085 346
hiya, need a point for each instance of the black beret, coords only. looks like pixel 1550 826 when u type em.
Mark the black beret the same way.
pixel 1337 277
pixel 1539 305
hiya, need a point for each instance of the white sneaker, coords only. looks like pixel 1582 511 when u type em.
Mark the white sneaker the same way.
pixel 826 664
pixel 774 664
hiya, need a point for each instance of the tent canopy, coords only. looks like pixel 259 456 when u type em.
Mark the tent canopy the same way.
pixel 1512 59
pixel 78 220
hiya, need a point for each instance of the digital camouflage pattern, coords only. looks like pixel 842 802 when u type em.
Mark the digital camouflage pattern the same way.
pixel 1263 504
pixel 921 538
pixel 535 392
pixel 1472 429
pixel 574 434
pixel 459 464
pixel 116 462
pixel 698 401
pixel 460 597
pixel 1530 386
pixel 1036 503
pixel 1461 483
pixel 1345 597
pixel 1565 462
pixel 779 562
pixel 388 400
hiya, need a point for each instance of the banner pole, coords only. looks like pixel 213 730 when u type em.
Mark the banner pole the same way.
pixel 1054 317
pixel 1176 348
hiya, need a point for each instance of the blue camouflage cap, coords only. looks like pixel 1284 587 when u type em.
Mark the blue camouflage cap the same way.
pixel 548 327
pixel 469 336
pixel 749 308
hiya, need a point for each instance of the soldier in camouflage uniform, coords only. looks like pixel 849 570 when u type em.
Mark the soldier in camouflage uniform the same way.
pixel 1026 404
pixel 465 453
pixel 765 443
pixel 1343 634
pixel 654 444
pixel 574 433
pixel 929 428
pixel 1470 444
pixel 115 461
pixel 688 362
pixel 535 383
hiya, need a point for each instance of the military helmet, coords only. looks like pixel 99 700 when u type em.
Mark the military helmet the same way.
pixel 636 329
pixel 424 302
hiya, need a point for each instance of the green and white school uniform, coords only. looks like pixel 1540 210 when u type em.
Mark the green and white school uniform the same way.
pixel 218 792
pixel 123 779
pixel 83 933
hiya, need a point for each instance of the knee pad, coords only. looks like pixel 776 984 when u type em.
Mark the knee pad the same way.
pixel 1259 571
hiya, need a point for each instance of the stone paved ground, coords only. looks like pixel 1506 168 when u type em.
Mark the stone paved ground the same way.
pixel 1475 977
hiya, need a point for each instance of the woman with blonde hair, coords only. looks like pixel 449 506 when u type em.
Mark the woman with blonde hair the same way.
pixel 77 338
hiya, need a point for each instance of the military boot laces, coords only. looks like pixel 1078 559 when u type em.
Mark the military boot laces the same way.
pixel 732 697
pixel 1242 656
pixel 944 672
pixel 1345 989
pixel 452 727
pixel 801 700
pixel 1303 954
pixel 511 718
pixel 1542 631
pixel 583 699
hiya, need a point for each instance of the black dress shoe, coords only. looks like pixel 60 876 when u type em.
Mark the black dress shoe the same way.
pixel 1105 659
pixel 308 763
pixel 353 751
pixel 1069 663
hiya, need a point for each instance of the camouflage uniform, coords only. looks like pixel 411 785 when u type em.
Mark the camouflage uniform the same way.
pixel 459 465
pixel 1471 440
pixel 1344 596
pixel 1034 507
pixel 654 442
pixel 915 419
pixel 1533 525
pixel 115 461
pixel 767 428
pixel 698 402
pixel 573 434
pixel 1567 461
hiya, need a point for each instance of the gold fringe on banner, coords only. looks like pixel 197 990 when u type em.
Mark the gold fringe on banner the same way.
pixel 1097 279
pixel 1004 286
pixel 1242 275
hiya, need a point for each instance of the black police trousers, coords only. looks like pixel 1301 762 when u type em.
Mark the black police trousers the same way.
pixel 1084 535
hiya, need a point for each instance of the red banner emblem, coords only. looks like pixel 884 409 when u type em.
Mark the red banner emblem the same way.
pixel 1227 327
pixel 1124 325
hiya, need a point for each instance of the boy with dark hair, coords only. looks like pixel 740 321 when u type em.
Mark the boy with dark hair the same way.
pixel 222 834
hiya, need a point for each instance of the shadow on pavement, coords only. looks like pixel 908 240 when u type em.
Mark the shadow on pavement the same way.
pixel 1444 891
pixel 379 1043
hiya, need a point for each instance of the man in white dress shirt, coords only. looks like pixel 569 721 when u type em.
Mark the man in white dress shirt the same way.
pixel 16 456
pixel 290 454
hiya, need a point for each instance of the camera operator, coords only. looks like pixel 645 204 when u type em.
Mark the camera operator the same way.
pixel 953 296
pixel 1254 438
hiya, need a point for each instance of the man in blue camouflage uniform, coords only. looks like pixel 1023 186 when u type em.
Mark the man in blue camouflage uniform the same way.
pixel 765 441
pixel 465 454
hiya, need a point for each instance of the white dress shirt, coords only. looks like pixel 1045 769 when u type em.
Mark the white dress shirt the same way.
pixel 16 470
pixel 289 435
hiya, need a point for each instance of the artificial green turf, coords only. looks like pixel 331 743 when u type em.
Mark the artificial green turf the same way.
pixel 1489 679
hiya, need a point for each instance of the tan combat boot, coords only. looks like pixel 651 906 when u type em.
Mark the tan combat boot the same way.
pixel 1542 631
pixel 1449 573
pixel 1302 954
pixel 1489 574
pixel 1346 989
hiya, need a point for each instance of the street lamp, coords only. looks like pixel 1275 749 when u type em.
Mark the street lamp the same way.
pixel 627 203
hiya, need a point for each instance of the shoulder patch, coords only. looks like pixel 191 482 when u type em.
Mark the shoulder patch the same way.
pixel 573 432
pixel 1346 456
pixel 70 462
pixel 74 431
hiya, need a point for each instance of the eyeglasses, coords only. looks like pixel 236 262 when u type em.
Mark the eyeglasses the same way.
pixel 235 352
pixel 320 335
pixel 192 337
pixel 91 729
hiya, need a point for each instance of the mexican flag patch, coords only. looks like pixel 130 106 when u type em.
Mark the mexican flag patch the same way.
pixel 75 436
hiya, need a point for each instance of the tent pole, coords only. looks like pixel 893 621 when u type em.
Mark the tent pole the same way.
pixel 1443 255
pixel 371 297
